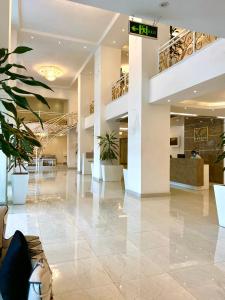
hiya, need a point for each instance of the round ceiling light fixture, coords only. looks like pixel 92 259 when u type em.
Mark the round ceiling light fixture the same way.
pixel 50 72
pixel 164 4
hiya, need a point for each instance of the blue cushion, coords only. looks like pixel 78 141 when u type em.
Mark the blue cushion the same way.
pixel 16 269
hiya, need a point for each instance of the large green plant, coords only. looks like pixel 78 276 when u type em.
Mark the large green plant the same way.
pixel 221 155
pixel 17 141
pixel 109 144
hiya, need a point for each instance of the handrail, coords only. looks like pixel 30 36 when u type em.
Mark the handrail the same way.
pixel 120 87
pixel 181 46
pixel 173 40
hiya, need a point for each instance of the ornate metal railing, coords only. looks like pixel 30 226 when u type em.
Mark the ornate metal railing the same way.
pixel 92 107
pixel 120 87
pixel 181 46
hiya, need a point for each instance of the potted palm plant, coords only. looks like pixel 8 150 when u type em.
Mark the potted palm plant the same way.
pixel 17 141
pixel 109 144
pixel 219 189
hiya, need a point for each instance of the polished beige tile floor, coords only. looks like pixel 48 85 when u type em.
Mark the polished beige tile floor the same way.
pixel 103 244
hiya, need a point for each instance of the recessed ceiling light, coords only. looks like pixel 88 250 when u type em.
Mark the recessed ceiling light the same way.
pixel 168 100
pixel 164 4
pixel 195 92
pixel 85 47
pixel 114 42
pixel 59 42
pixel 32 37
pixel 123 30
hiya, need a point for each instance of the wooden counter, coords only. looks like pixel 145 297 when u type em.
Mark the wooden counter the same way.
pixel 190 172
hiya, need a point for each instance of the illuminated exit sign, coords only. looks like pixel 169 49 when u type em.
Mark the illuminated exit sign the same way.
pixel 143 30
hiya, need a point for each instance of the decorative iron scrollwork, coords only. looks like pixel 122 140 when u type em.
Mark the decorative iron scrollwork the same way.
pixel 120 87
pixel 182 46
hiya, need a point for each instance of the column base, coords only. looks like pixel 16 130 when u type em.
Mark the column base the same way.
pixel 97 179
pixel 146 195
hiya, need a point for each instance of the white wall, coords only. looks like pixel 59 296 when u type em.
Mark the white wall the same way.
pixel 89 121
pixel 194 72
pixel 57 147
pixel 117 107
pixel 177 131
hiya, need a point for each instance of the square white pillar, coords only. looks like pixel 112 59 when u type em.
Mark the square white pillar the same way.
pixel 5 42
pixel 148 124
pixel 84 137
pixel 107 71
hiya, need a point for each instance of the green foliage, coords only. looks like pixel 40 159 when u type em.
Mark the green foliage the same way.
pixel 221 155
pixel 17 141
pixel 109 144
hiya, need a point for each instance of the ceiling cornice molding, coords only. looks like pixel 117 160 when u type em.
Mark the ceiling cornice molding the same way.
pixel 112 22
pixel 57 36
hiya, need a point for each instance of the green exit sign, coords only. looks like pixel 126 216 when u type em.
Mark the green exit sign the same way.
pixel 143 30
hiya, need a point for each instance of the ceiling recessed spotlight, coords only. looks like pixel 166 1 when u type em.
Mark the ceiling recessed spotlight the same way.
pixel 59 42
pixel 164 4
pixel 195 92
pixel 123 29
pixel 85 47
pixel 114 42
pixel 32 37
pixel 168 100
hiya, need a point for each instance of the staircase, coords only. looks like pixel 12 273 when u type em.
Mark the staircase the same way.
pixel 58 126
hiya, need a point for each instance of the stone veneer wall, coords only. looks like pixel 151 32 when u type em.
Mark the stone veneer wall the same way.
pixel 208 149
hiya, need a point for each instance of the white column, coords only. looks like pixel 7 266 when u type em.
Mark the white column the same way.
pixel 148 124
pixel 5 42
pixel 106 72
pixel 72 134
pixel 85 137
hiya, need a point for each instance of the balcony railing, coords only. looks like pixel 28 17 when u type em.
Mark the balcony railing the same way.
pixel 120 87
pixel 91 107
pixel 181 46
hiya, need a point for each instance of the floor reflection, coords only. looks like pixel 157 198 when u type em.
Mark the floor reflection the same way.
pixel 104 244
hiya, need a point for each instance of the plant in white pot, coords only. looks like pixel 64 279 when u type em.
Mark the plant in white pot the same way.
pixel 111 170
pixel 219 189
pixel 17 141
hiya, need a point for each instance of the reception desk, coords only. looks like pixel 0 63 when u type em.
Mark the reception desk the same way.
pixel 189 173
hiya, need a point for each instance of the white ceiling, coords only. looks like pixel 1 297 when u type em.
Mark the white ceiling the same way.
pixel 209 104
pixel 61 32
pixel 198 15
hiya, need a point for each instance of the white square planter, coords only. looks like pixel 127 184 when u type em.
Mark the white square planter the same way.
pixel 125 175
pixel 220 203
pixel 112 172
pixel 19 188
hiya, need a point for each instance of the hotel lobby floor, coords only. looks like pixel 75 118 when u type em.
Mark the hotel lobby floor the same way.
pixel 102 244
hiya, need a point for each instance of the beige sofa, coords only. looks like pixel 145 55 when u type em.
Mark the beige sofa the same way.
pixel 41 278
